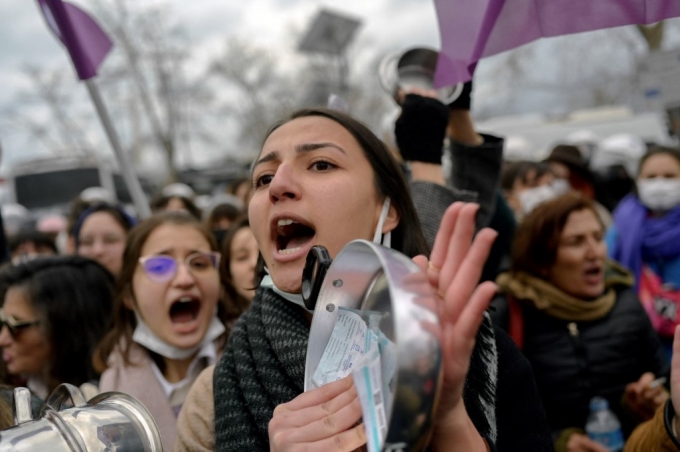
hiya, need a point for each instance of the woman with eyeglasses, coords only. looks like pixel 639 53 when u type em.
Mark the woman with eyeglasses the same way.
pixel 55 311
pixel 166 316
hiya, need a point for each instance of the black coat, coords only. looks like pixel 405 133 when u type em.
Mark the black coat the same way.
pixel 575 361
pixel 522 426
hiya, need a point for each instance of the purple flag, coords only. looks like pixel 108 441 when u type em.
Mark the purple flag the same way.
pixel 473 29
pixel 85 41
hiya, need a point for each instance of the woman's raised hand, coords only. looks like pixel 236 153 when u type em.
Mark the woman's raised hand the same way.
pixel 321 419
pixel 454 269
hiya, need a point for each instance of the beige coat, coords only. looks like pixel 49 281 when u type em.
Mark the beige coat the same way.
pixel 140 382
pixel 196 422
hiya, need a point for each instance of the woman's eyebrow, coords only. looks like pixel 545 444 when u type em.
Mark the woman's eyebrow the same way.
pixel 299 149
pixel 308 147
pixel 267 158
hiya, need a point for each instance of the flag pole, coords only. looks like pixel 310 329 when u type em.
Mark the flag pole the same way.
pixel 131 180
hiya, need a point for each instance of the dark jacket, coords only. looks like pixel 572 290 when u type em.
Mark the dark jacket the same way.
pixel 575 361
pixel 474 177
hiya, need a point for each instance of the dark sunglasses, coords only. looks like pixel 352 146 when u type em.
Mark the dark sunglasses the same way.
pixel 14 325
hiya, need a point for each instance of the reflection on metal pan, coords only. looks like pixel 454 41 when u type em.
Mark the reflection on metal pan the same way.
pixel 414 68
pixel 370 277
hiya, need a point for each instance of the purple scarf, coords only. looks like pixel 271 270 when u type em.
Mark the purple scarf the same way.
pixel 642 238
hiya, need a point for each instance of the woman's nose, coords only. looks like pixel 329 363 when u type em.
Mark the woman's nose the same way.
pixel 183 277
pixel 283 185
pixel 98 248
pixel 5 337
pixel 596 248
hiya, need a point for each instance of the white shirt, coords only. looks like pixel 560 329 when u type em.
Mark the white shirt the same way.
pixel 177 392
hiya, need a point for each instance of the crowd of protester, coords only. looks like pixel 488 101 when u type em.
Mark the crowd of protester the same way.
pixel 564 275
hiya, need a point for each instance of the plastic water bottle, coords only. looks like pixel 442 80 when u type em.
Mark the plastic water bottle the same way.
pixel 603 426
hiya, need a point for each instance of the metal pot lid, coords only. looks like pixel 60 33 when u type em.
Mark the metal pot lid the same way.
pixel 370 277
pixel 414 68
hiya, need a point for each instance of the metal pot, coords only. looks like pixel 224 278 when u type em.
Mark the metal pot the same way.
pixel 414 68
pixel 370 277
pixel 109 422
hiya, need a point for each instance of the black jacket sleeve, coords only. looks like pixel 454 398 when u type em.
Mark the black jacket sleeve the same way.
pixel 474 178
pixel 522 425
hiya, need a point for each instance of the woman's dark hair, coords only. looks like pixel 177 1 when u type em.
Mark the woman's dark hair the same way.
pixel 160 202
pixel 228 211
pixel 534 250
pixel 521 170
pixel 236 304
pixel 41 239
pixel 407 237
pixel 124 220
pixel 72 297
pixel 656 150
pixel 123 319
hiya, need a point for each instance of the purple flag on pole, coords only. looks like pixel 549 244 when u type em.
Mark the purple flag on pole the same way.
pixel 85 41
pixel 473 29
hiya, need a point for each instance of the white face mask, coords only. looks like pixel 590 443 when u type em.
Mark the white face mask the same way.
pixel 387 237
pixel 296 298
pixel 145 337
pixel 659 194
pixel 532 197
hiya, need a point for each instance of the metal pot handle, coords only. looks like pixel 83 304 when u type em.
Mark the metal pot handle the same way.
pixel 64 392
pixel 22 406
pixel 316 266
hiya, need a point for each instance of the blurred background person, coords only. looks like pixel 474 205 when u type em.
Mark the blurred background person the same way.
pixel 223 210
pixel 239 261
pixel 243 189
pixel 526 184
pixel 176 196
pixel 645 238
pixel 28 244
pixel 578 321
pixel 570 170
pixel 100 235
pixel 86 199
pixel 55 311
pixel 15 217
pixel 615 166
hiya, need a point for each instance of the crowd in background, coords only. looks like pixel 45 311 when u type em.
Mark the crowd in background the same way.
pixel 586 264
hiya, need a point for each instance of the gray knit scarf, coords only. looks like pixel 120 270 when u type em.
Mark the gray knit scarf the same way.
pixel 264 365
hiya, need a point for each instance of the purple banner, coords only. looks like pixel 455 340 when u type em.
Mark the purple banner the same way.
pixel 473 29
pixel 85 41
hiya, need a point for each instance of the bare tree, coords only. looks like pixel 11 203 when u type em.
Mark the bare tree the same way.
pixel 258 91
pixel 569 72
pixel 155 53
pixel 262 88
pixel 65 132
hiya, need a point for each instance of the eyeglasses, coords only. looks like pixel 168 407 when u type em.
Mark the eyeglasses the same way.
pixel 14 325
pixel 162 268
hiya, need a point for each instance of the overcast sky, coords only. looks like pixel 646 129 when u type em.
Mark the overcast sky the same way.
pixel 386 24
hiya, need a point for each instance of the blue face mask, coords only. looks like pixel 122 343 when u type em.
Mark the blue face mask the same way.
pixel 378 237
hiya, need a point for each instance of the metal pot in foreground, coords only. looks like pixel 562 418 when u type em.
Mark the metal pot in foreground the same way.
pixel 111 421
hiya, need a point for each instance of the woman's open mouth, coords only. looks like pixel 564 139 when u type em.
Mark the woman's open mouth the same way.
pixel 291 236
pixel 594 275
pixel 185 310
